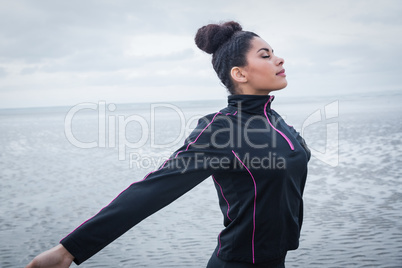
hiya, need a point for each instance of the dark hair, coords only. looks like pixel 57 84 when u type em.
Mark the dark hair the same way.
pixel 228 44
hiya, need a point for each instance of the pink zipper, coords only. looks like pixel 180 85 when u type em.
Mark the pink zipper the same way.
pixel 280 132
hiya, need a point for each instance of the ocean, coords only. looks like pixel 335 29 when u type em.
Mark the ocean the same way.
pixel 60 165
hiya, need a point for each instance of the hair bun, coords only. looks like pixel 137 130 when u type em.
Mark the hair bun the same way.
pixel 210 37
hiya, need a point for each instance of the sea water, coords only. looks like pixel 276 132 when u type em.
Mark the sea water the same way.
pixel 60 165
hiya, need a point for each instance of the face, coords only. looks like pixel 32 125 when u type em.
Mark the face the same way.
pixel 264 71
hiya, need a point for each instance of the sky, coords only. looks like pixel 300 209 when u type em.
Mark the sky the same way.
pixel 62 53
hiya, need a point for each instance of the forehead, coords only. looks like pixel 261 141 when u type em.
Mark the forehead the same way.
pixel 257 43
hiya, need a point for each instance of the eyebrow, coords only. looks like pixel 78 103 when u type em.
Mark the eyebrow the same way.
pixel 266 49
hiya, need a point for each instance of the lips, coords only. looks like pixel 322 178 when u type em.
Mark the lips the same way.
pixel 281 72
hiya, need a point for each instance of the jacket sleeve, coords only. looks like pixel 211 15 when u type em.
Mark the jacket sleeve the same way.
pixel 200 156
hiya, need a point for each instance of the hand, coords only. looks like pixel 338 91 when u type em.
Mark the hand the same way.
pixel 57 257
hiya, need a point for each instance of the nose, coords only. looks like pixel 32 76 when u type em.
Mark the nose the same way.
pixel 280 61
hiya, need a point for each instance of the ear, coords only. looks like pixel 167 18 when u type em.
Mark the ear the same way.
pixel 237 74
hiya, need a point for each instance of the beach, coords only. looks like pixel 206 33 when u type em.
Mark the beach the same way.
pixel 61 165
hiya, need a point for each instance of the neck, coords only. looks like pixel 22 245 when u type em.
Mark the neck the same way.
pixel 246 90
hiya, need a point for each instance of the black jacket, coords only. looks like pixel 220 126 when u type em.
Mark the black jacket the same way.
pixel 259 166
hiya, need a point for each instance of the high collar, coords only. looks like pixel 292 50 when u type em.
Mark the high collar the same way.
pixel 253 104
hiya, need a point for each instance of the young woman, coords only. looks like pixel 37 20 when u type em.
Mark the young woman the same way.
pixel 257 162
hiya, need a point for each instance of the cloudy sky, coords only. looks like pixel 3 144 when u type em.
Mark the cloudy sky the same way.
pixel 67 52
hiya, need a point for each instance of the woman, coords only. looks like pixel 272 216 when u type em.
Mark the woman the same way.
pixel 257 162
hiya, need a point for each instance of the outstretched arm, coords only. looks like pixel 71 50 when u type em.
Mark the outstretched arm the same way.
pixel 187 167
pixel 57 257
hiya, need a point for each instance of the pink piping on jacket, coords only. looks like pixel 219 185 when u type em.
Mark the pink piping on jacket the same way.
pixel 199 134
pixel 280 132
pixel 232 114
pixel 255 201
pixel 219 249
pixel 227 213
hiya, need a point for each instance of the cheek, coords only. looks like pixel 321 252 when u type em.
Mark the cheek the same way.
pixel 265 72
pixel 259 67
pixel 261 73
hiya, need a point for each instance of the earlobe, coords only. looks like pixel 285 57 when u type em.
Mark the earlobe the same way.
pixel 238 75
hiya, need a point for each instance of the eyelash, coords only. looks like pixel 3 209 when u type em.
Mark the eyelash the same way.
pixel 265 57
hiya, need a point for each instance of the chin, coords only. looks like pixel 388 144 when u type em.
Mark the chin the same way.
pixel 279 88
pixel 283 86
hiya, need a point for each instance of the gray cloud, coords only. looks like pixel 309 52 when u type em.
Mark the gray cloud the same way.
pixel 3 72
pixel 36 30
pixel 53 46
pixel 92 61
